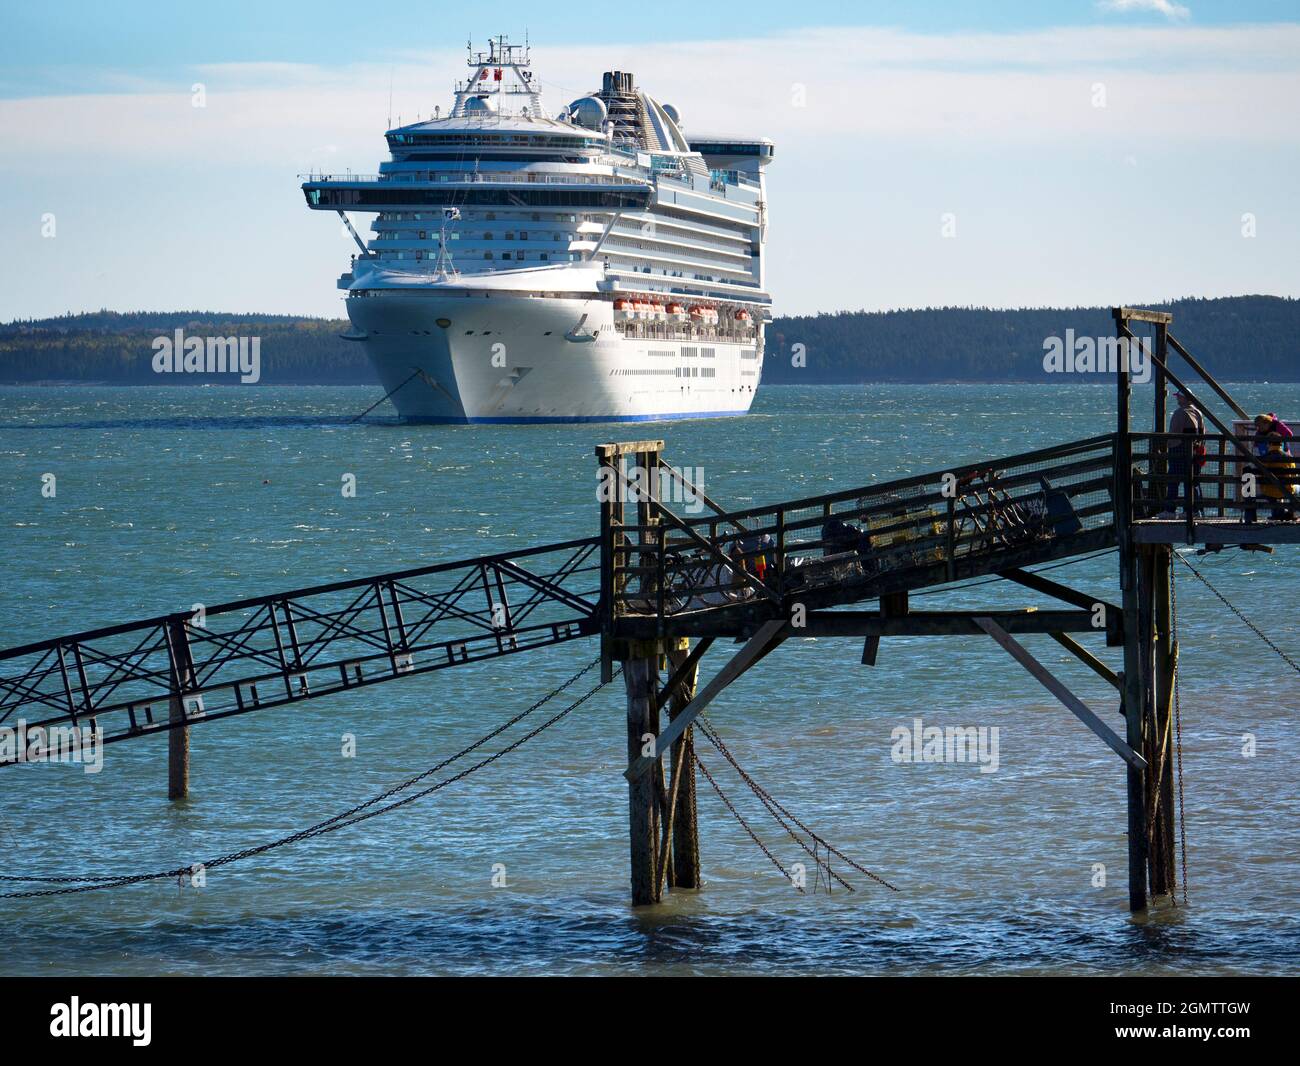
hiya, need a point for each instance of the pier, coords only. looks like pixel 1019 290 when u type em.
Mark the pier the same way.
pixel 661 584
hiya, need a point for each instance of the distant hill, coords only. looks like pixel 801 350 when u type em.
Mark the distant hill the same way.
pixel 1237 338
pixel 104 346
pixel 1241 338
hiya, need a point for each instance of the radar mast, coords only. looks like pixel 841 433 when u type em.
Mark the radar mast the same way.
pixel 489 81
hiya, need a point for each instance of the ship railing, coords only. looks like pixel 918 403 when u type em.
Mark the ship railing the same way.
pixel 476 178
pixel 675 332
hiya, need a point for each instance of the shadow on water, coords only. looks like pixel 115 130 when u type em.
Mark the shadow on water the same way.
pixel 597 935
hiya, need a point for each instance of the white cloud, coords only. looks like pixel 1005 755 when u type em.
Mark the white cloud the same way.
pixel 1208 84
pixel 1003 129
pixel 1162 7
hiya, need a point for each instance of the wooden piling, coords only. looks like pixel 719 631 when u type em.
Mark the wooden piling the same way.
pixel 1163 876
pixel 178 737
pixel 685 871
pixel 1129 570
pixel 178 752
pixel 640 679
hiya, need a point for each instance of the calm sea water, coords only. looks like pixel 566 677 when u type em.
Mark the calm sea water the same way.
pixel 162 503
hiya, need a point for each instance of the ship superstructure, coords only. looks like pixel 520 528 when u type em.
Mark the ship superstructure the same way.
pixel 598 264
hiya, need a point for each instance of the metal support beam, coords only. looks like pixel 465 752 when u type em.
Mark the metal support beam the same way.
pixel 1081 711
pixel 1088 659
pixel 769 634
pixel 355 236
pixel 873 625
pixel 1056 590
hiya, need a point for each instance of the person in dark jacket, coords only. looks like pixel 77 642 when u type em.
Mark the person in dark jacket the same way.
pixel 1189 423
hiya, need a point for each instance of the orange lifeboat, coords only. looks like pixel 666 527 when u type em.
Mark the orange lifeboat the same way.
pixel 742 315
pixel 675 309
pixel 698 313
pixel 623 308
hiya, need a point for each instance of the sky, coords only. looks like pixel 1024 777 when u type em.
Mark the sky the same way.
pixel 1009 154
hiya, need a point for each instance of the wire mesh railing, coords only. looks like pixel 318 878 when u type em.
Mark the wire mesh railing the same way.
pixel 920 530
pixel 1227 478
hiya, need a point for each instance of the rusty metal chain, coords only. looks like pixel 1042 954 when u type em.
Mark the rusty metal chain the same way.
pixel 744 824
pixel 347 818
pixel 775 808
pixel 1224 600
pixel 822 866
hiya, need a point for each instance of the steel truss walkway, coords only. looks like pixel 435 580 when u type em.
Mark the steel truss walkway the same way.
pixel 175 670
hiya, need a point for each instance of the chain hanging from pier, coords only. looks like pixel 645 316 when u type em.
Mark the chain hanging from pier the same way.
pixel 361 812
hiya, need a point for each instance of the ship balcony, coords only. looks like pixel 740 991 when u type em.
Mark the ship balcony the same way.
pixel 649 329
pixel 469 177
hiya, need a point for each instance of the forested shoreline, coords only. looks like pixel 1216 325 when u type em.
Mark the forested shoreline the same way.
pixel 1244 338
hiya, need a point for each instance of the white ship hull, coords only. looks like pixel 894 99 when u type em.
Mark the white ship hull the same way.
pixel 520 359
pixel 598 265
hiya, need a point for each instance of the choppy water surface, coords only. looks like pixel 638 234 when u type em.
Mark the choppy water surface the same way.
pixel 162 503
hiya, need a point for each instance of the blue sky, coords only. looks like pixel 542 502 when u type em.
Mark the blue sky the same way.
pixel 910 113
pixel 60 45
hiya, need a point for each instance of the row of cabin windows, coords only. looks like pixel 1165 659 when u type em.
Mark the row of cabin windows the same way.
pixel 488 216
pixel 656 372
pixel 554 141
pixel 487 235
pixel 520 256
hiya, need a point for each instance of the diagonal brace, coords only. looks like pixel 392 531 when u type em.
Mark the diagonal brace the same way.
pixel 1081 711
pixel 768 636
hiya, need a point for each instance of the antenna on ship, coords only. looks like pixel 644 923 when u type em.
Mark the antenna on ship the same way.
pixel 443 268
pixel 490 85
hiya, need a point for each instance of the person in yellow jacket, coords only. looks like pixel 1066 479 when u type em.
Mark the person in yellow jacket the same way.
pixel 1283 466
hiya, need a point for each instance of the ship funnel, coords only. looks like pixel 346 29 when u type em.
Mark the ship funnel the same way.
pixel 617 81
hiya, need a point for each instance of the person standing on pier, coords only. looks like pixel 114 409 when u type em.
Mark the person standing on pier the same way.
pixel 1185 455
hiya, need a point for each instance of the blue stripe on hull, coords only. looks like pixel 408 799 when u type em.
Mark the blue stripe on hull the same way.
pixel 433 420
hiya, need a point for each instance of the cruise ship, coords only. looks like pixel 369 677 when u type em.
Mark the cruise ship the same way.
pixel 600 264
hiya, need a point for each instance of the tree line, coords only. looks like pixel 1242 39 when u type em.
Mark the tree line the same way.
pixel 1241 338
pixel 1238 338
